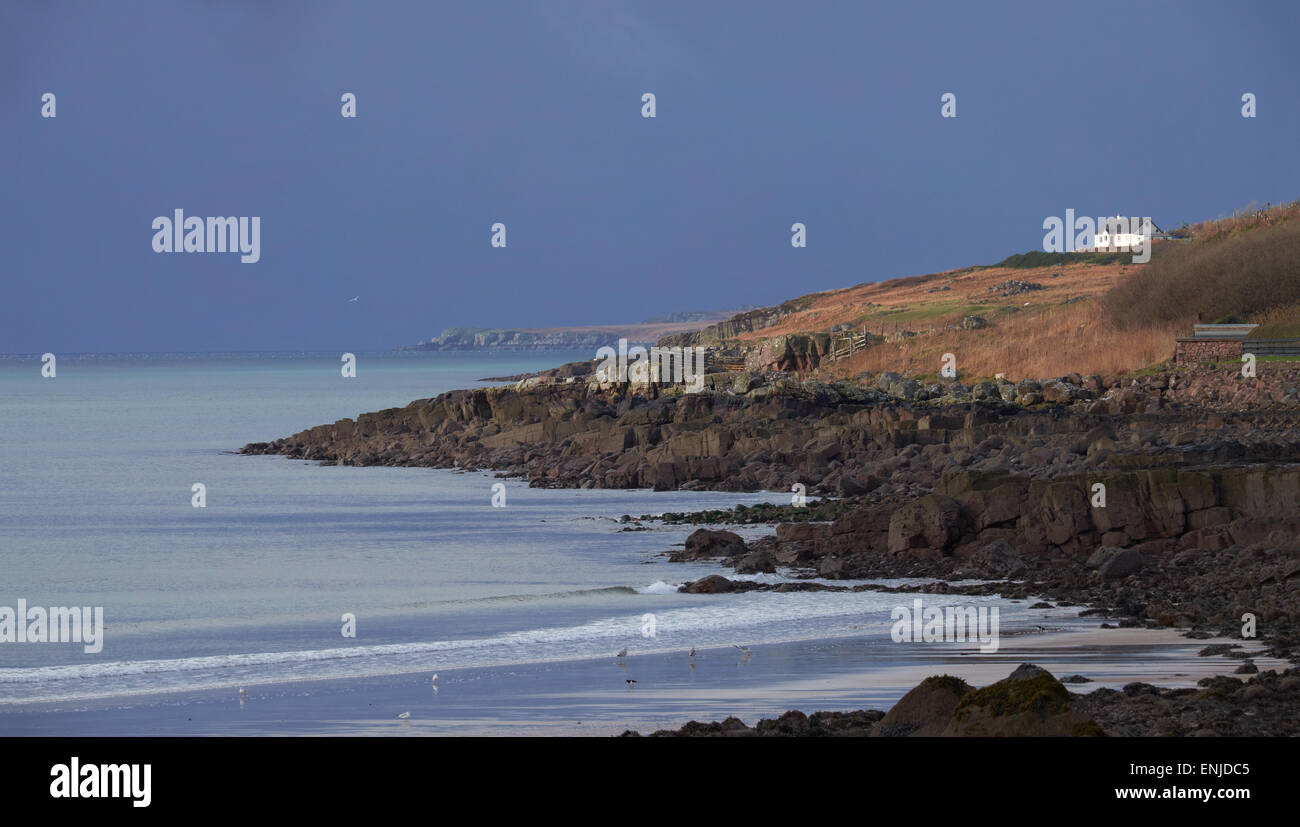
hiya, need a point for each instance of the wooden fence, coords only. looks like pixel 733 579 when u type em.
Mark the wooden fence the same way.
pixel 844 346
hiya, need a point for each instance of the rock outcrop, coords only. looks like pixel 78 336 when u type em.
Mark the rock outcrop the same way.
pixel 1173 499
pixel 893 437
pixel 1030 702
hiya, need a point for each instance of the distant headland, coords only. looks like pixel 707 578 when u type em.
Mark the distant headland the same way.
pixel 571 338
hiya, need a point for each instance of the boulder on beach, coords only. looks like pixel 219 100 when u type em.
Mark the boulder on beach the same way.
pixel 929 524
pixel 997 559
pixel 1028 702
pixel 926 710
pixel 756 562
pixel 706 543
pixel 713 584
pixel 1113 563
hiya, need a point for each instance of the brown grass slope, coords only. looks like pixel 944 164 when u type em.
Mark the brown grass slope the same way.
pixel 1090 316
pixel 1246 267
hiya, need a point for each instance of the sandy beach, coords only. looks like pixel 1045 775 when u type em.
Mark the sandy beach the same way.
pixel 592 697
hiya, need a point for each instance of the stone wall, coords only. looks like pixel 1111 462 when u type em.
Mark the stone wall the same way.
pixel 1193 351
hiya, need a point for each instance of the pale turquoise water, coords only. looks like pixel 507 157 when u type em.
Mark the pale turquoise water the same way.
pixel 95 510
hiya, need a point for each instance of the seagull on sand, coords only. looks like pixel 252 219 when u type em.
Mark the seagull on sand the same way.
pixel 405 716
pixel 1040 628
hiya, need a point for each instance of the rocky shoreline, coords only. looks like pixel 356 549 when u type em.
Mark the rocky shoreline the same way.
pixel 1031 702
pixel 1168 499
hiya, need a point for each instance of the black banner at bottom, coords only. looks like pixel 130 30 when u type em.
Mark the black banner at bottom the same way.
pixel 139 776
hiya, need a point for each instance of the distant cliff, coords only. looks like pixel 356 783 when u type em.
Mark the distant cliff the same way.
pixel 747 321
pixel 482 338
pixel 569 338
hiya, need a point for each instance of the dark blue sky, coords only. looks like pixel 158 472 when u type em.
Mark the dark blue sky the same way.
pixel 529 114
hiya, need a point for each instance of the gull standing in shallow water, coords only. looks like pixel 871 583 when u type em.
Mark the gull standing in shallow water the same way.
pixel 622 653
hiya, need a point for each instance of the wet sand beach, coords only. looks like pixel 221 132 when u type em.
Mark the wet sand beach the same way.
pixel 592 697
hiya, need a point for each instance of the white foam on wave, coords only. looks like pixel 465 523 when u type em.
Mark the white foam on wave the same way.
pixel 753 619
pixel 659 587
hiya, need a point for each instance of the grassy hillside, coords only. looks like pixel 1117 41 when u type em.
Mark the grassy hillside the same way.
pixel 1054 314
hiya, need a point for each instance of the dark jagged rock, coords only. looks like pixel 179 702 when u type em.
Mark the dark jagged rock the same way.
pixel 925 710
pixel 715 584
pixel 1223 706
pixel 838 438
pixel 1029 702
pixel 758 562
pixel 705 543
pixel 1200 471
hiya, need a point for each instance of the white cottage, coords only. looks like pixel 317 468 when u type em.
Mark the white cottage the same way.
pixel 1120 233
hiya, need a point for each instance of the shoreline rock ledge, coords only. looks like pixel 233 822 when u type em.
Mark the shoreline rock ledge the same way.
pixel 1031 702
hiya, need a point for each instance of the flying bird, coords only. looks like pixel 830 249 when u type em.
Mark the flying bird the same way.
pixel 354 298
pixel 630 683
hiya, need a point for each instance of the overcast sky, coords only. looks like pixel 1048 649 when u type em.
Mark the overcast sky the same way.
pixel 529 113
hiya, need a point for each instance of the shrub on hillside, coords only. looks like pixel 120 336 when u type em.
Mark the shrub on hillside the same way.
pixel 1242 274
pixel 1041 258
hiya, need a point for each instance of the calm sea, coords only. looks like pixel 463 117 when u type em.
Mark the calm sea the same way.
pixel 96 473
